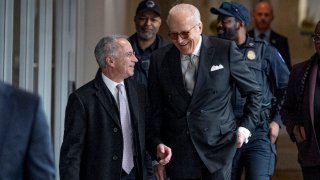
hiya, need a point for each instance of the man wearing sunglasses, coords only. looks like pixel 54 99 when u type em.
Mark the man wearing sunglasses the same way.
pixel 301 113
pixel 257 157
pixel 190 87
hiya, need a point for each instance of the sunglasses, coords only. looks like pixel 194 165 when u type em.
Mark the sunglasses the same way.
pixel 315 38
pixel 183 34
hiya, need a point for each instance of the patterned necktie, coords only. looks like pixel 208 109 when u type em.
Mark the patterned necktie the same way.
pixel 189 76
pixel 127 159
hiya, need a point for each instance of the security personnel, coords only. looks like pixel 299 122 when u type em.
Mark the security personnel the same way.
pixel 257 157
pixel 146 40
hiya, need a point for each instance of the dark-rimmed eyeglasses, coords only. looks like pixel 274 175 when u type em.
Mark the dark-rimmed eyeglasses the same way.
pixel 227 6
pixel 315 38
pixel 183 34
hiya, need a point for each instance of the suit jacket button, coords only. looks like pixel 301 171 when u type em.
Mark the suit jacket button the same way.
pixel 115 157
pixel 115 130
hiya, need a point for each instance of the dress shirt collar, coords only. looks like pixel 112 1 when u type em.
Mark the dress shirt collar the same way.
pixel 112 86
pixel 266 34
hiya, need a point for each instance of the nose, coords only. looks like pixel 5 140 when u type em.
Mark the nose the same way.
pixel 148 21
pixel 134 59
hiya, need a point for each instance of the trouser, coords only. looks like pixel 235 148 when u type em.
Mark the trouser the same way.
pixel 222 174
pixel 257 158
pixel 311 173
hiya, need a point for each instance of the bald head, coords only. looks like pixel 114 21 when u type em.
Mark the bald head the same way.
pixel 262 15
pixel 184 12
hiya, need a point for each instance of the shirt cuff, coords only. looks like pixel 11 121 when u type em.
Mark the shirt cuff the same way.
pixel 245 132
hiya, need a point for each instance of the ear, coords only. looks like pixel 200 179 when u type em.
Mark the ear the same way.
pixel 110 61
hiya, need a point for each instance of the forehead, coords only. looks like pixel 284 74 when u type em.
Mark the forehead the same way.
pixel 263 8
pixel 124 45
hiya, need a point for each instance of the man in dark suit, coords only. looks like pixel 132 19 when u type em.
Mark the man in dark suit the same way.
pixel 301 113
pixel 262 17
pixel 25 143
pixel 104 135
pixel 190 87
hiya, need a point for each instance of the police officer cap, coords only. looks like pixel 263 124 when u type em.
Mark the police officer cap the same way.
pixel 233 9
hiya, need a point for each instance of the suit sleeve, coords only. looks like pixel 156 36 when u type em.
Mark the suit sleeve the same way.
pixel 40 158
pixel 289 110
pixel 248 87
pixel 74 133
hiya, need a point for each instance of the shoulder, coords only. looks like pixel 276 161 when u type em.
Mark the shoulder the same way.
pixel 162 41
pixel 17 94
pixel 278 36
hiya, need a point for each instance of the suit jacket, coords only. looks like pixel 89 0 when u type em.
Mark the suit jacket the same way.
pixel 25 143
pixel 202 125
pixel 308 151
pixel 93 144
pixel 280 43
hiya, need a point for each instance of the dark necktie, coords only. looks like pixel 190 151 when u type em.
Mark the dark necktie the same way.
pixel 262 36
pixel 189 76
pixel 127 159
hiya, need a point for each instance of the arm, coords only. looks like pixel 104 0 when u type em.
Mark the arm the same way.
pixel 278 77
pixel 249 88
pixel 40 161
pixel 73 140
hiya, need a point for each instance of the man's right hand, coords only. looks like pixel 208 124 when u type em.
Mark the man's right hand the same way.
pixel 299 133
pixel 163 154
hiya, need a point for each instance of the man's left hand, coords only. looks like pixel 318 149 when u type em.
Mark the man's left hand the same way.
pixel 274 131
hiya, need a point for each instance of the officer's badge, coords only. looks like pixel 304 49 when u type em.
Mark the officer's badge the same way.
pixel 251 55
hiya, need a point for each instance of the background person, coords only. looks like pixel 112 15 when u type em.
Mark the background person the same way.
pixel 26 150
pixel 301 113
pixel 146 39
pixel 257 157
pixel 262 17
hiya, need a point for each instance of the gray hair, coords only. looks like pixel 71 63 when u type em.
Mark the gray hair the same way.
pixel 185 8
pixel 107 47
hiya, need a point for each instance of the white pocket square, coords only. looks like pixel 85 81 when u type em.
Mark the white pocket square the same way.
pixel 215 67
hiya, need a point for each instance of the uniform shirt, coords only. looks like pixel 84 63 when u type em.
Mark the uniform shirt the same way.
pixel 271 72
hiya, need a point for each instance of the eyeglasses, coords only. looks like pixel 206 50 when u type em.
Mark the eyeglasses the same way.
pixel 183 34
pixel 315 38
pixel 130 54
pixel 229 7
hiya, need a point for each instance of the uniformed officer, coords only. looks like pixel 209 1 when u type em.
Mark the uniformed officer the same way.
pixel 257 157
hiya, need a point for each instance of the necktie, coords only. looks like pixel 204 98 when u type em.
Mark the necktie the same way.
pixel 127 160
pixel 262 36
pixel 189 76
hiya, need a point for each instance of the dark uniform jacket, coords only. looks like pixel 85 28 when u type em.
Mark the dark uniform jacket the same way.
pixel 280 43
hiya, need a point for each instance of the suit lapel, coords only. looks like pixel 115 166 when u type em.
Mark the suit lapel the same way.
pixel 205 62
pixel 312 87
pixel 106 99
pixel 133 101
pixel 174 68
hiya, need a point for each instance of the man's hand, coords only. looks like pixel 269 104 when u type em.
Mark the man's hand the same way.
pixel 241 139
pixel 163 154
pixel 299 133
pixel 160 172
pixel 273 131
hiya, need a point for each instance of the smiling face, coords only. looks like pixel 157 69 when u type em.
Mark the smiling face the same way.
pixel 186 30
pixel 123 61
pixel 147 24
pixel 227 28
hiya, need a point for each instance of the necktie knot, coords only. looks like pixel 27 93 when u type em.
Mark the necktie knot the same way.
pixel 120 88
